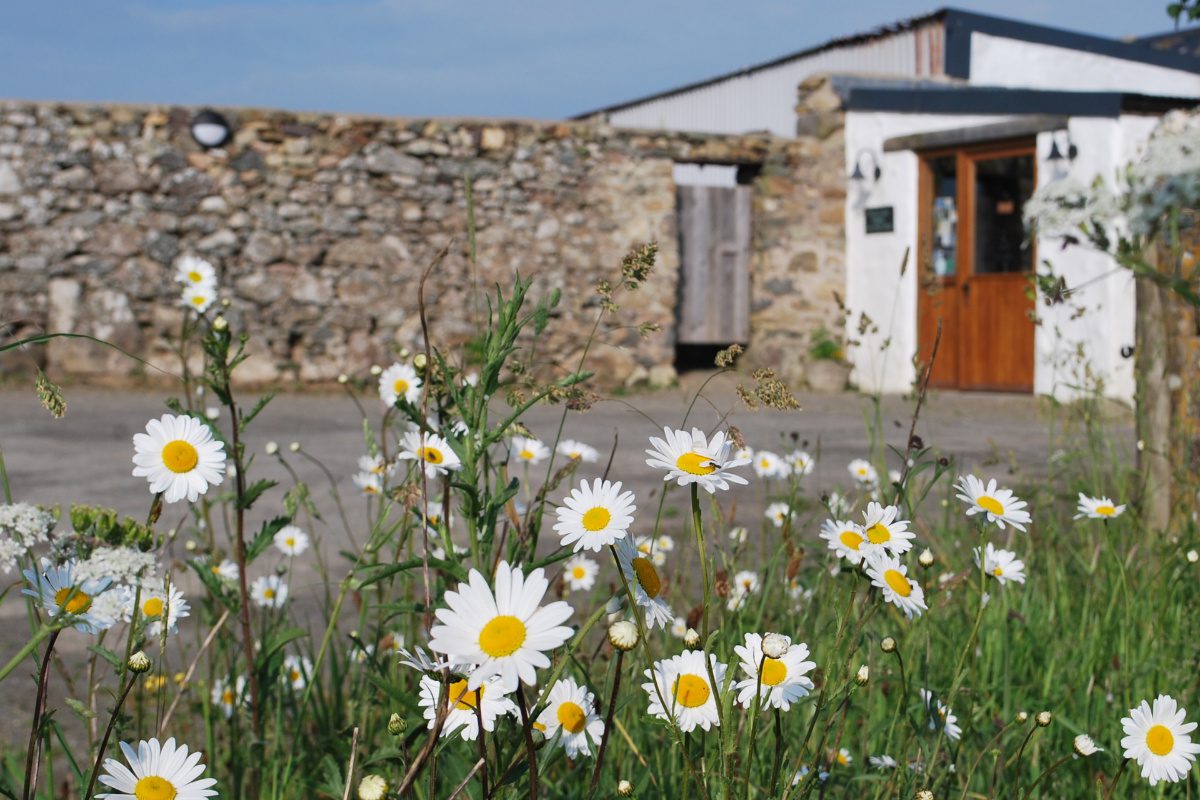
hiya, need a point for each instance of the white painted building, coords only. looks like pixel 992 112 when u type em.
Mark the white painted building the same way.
pixel 951 119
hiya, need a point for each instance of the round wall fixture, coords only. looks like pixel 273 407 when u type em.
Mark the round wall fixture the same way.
pixel 210 129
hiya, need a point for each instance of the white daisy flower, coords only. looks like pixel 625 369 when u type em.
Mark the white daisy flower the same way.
pixel 838 504
pixel 801 462
pixel 433 510
pixel 528 450
pixel 490 698
pixel 863 472
pixel 226 570
pixel 778 513
pixel 291 541
pixel 783 680
pixel 682 681
pixel 156 772
pixel 580 573
pixel 1097 508
pixel 59 592
pixel 770 465
pixel 421 661
pixel 594 516
pixel 745 583
pixel 179 457
pixel 679 628
pixel 940 715
pixel 746 453
pixel 578 450
pixel 664 543
pixel 296 671
pixel 1000 505
pixel 845 538
pixel 399 381
pixel 694 458
pixel 369 483
pixel 646 584
pixel 882 762
pixel 375 465
pixel 431 450
pixel 229 696
pixel 506 632
pixel 199 296
pixel 1003 565
pixel 650 549
pixel 891 576
pixel 843 758
pixel 738 535
pixel 269 591
pixel 157 606
pixel 883 529
pixel 195 271
pixel 572 713
pixel 1158 739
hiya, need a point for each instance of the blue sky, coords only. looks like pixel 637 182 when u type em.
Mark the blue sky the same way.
pixel 524 58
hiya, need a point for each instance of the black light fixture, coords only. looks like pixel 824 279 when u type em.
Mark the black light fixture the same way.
pixel 858 175
pixel 210 129
pixel 1056 154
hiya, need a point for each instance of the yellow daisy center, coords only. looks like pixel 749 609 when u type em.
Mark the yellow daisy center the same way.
pixel 997 571
pixel 294 675
pixel 269 594
pixel 153 607
pixel 198 300
pixel 764 462
pixel 431 455
pixel 898 582
pixel 72 600
pixel 695 463
pixel 1160 740
pixel 691 691
pixel 400 386
pixel 571 716
pixel 180 456
pixel 862 471
pixel 647 576
pixel 774 672
pixel 290 541
pixel 195 277
pixel 526 454
pixel 579 573
pixel 990 504
pixel 153 787
pixel 596 519
pixel 227 697
pixel 1105 511
pixel 464 700
pixel 502 636
pixel 851 539
pixel 879 533
pixel 842 759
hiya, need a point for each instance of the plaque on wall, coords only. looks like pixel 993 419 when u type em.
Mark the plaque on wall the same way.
pixel 879 220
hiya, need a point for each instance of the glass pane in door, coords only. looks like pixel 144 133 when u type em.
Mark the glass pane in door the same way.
pixel 944 217
pixel 1002 186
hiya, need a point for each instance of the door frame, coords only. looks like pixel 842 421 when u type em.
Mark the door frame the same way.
pixel 952 352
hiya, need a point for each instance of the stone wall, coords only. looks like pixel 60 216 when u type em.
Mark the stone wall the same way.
pixel 321 224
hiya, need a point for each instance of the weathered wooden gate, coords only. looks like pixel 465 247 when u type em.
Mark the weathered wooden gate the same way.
pixel 714 276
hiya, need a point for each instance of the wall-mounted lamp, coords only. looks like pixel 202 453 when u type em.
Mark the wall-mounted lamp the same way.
pixel 1056 154
pixel 874 171
pixel 210 129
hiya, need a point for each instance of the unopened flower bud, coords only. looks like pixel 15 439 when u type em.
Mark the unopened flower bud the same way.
pixel 372 787
pixel 376 370
pixel 1193 556
pixel 775 645
pixel 343 378
pixel 1044 719
pixel 226 302
pixel 625 789
pixel 419 361
pixel 396 724
pixel 1084 746
pixel 220 324
pixel 623 635
pixel 139 662
pixel 691 638
pixel 863 675
pixel 924 794
pixel 294 447
pixel 926 558
pixel 272 448
pixel 212 412
pixel 888 645
pixel 1022 717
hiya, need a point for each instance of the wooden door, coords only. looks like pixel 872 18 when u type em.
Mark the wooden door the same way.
pixel 714 275
pixel 983 297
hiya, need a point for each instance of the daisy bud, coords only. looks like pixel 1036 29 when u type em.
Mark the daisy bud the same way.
pixel 294 447
pixel 926 558
pixel 190 545
pixel 1043 719
pixel 1084 746
pixel 863 675
pixel 231 470
pixel 220 324
pixel 924 794
pixel 1022 716
pixel 396 724
pixel 372 787
pixel 272 448
pixel 625 789
pixel 138 663
pixel 212 412
pixel 404 352
pixel 376 370
pixel 775 645
pixel 623 635
pixel 1193 556
pixel 691 638
pixel 419 361
pixel 226 302
pixel 888 645
pixel 343 378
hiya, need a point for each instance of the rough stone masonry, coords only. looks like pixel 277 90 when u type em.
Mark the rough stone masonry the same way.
pixel 321 224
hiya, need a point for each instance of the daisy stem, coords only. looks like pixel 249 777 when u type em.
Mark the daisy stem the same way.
pixel 38 635
pixel 753 720
pixel 698 527
pixel 779 747
pixel 8 497
pixel 108 729
pixel 1029 792
pixel 530 751
pixel 1116 779
pixel 36 724
pixel 608 722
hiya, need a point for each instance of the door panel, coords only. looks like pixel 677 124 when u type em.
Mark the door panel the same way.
pixel 714 239
pixel 937 263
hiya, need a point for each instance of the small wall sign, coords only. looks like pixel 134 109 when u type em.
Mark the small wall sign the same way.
pixel 879 220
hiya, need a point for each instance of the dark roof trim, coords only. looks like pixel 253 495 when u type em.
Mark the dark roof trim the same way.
pixel 1029 126
pixel 988 100
pixel 961 24
pixel 833 44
